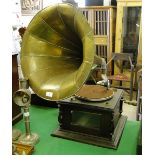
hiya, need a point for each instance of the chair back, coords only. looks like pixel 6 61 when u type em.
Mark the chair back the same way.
pixel 122 56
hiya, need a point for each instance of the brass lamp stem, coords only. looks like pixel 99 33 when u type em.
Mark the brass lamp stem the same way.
pixel 26 116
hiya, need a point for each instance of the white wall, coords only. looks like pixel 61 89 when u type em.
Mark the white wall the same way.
pixel 25 20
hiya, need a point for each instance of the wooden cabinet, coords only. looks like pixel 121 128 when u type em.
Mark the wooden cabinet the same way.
pixel 128 28
pixel 129 31
pixel 102 20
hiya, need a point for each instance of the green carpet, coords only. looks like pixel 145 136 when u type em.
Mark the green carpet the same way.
pixel 44 122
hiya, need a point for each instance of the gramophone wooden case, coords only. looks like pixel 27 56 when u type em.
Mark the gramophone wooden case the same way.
pixel 97 123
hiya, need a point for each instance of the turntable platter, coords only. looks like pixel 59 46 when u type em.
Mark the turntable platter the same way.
pixel 94 93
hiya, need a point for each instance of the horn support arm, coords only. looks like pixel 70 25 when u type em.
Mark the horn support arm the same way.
pixel 103 66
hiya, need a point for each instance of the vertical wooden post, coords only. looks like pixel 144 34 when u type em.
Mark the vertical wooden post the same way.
pixel 119 25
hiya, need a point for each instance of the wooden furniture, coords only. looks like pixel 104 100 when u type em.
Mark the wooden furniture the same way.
pixel 138 67
pixel 102 19
pixel 16 111
pixel 139 96
pixel 97 123
pixel 123 61
pixel 128 28
pixel 139 110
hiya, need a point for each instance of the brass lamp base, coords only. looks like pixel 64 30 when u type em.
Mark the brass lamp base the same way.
pixel 31 139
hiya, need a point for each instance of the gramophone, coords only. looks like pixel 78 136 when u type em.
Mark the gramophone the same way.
pixel 57 57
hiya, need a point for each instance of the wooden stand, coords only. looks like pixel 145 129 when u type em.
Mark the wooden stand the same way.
pixel 97 123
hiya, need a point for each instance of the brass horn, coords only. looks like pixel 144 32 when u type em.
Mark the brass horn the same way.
pixel 57 52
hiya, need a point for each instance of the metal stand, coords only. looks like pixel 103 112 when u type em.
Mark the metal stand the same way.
pixel 22 97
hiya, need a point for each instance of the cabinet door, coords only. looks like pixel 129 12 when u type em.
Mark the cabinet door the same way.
pixel 101 22
pixel 130 31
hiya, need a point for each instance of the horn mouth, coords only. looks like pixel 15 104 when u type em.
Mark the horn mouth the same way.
pixel 57 52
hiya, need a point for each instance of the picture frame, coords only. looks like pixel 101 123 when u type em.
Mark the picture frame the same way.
pixel 31 7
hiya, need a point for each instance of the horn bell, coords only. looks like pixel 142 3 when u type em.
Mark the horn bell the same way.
pixel 57 52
